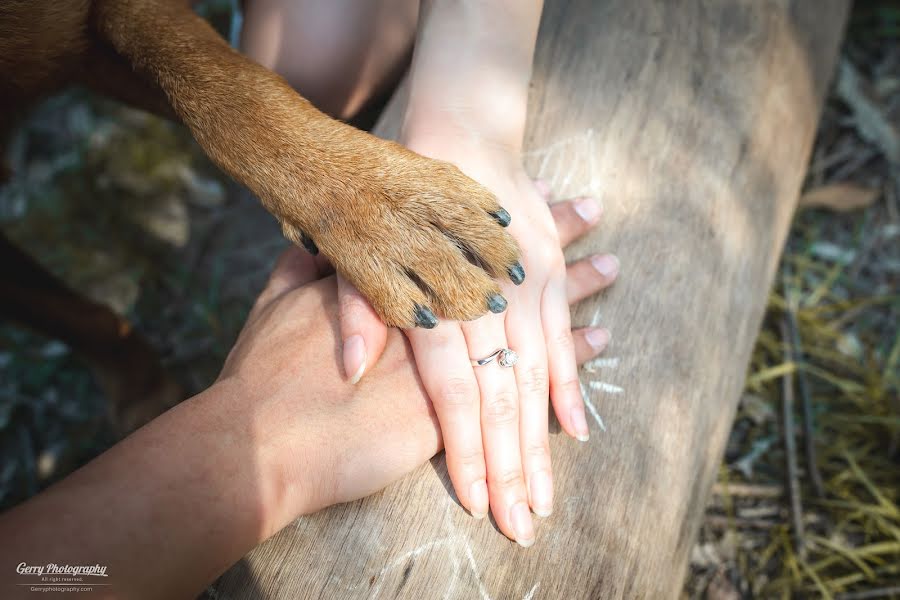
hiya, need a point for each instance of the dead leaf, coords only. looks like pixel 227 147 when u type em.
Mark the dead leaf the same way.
pixel 840 197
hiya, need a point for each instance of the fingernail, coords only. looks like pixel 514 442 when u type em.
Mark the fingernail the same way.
pixel 588 209
pixel 542 494
pixel 597 338
pixel 522 525
pixel 496 304
pixel 478 499
pixel 309 244
pixel 502 217
pixel 517 273
pixel 579 424
pixel 354 358
pixel 606 264
pixel 425 318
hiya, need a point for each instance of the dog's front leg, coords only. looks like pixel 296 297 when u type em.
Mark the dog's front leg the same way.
pixel 414 235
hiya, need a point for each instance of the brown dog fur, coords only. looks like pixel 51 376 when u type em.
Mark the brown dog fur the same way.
pixel 404 229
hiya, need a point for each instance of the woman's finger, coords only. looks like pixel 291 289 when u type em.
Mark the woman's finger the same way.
pixel 589 342
pixel 500 430
pixel 442 359
pixel 362 331
pixel 526 337
pixel 574 218
pixel 590 275
pixel 565 391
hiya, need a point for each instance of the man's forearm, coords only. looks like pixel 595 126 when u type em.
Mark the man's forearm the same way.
pixel 471 70
pixel 165 511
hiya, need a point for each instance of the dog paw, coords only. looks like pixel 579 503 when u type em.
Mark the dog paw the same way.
pixel 419 239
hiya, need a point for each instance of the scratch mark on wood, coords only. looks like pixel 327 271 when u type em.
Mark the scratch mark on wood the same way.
pixel 602 386
pixel 530 594
pixel 600 363
pixel 407 556
pixel 565 160
pixel 457 570
pixel 470 556
pixel 406 572
pixel 590 406
pixel 458 547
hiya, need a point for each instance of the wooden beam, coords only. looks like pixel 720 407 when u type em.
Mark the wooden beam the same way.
pixel 693 122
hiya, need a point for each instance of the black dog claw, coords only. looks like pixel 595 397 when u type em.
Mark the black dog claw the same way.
pixel 502 217
pixel 309 244
pixel 517 273
pixel 425 318
pixel 496 304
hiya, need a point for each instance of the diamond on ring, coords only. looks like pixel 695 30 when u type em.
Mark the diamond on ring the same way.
pixel 507 358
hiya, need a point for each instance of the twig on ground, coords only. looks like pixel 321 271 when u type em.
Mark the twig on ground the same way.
pixel 790 448
pixel 748 490
pixel 725 522
pixel 796 355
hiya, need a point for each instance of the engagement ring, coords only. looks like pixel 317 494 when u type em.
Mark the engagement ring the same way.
pixel 505 357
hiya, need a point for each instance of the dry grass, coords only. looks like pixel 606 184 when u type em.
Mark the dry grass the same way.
pixel 808 500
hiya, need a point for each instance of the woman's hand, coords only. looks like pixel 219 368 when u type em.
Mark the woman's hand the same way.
pixel 494 421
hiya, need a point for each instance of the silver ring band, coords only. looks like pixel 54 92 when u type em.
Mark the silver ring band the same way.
pixel 506 358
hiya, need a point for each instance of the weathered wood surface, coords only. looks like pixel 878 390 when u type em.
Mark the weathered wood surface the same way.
pixel 693 122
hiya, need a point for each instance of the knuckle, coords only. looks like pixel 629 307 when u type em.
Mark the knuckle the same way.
pixel 547 255
pixel 569 386
pixel 470 458
pixel 458 392
pixel 537 453
pixel 509 479
pixel 542 254
pixel 351 305
pixel 502 409
pixel 534 380
pixel 564 343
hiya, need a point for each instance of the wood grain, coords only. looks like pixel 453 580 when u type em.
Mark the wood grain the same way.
pixel 692 121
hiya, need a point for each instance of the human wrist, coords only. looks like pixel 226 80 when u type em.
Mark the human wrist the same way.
pixel 476 157
pixel 437 138
pixel 470 79
pixel 281 495
pixel 485 120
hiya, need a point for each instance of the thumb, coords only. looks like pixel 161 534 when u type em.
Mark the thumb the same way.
pixel 362 331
